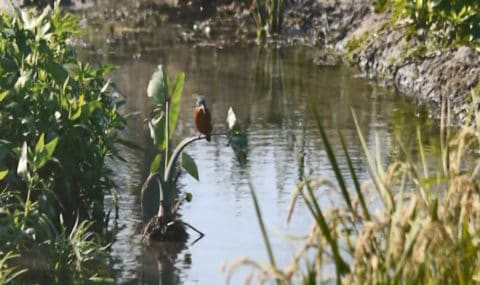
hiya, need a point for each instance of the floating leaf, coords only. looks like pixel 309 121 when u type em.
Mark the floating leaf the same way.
pixel 189 165
pixel 155 163
pixel 22 163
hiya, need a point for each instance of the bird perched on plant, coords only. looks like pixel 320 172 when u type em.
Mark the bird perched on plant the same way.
pixel 202 117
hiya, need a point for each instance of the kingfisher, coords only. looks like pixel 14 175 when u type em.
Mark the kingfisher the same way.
pixel 202 117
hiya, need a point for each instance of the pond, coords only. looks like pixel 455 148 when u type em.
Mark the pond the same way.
pixel 272 91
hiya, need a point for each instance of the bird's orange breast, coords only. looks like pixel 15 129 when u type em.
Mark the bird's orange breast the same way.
pixel 203 120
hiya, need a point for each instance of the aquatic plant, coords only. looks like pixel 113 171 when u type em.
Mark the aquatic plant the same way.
pixel 166 94
pixel 59 123
pixel 268 17
pixel 423 230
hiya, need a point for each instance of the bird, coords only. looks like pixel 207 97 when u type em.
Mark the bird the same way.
pixel 202 117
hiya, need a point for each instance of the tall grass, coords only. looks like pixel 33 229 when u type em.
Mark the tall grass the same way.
pixel 268 17
pixel 424 229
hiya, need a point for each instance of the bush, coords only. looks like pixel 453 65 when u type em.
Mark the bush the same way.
pixel 445 21
pixel 59 122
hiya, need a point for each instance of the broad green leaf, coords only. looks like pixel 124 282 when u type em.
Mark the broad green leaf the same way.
pixel 22 162
pixel 175 101
pixel 189 165
pixel 3 173
pixel 157 86
pixel 157 132
pixel 58 72
pixel 156 163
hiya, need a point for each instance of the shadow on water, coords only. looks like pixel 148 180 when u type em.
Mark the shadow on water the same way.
pixel 271 91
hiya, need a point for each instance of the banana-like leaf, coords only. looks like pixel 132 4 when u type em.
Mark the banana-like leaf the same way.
pixel 175 101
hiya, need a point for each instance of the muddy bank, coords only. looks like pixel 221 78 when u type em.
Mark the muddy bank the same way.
pixel 382 52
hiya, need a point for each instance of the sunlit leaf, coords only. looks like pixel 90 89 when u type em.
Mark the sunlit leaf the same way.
pixel 3 95
pixel 156 163
pixel 175 101
pixel 189 165
pixel 231 119
pixel 25 76
pixel 77 107
pixel 22 163
pixel 50 147
pixel 40 143
pixel 157 86
pixel 3 173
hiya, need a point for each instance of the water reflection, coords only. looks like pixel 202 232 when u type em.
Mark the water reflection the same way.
pixel 271 91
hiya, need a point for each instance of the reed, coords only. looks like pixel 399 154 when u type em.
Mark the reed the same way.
pixel 425 230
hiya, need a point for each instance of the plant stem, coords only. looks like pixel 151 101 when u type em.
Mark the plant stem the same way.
pixel 176 153
pixel 167 131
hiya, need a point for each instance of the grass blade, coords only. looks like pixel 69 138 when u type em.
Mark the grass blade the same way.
pixel 262 226
pixel 341 266
pixel 386 196
pixel 333 161
pixel 353 173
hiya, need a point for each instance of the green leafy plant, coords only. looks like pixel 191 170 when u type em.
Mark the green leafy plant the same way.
pixel 166 94
pixel 446 22
pixel 59 123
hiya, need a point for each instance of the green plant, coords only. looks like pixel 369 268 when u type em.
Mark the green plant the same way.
pixel 59 123
pixel 46 93
pixel 163 169
pixel 443 21
pixel 268 17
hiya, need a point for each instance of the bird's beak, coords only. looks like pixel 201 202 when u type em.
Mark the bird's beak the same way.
pixel 203 108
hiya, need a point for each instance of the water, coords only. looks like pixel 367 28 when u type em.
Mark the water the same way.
pixel 272 91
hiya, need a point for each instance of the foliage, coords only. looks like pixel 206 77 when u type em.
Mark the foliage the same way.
pixel 166 94
pixel 445 21
pixel 421 226
pixel 268 17
pixel 59 122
